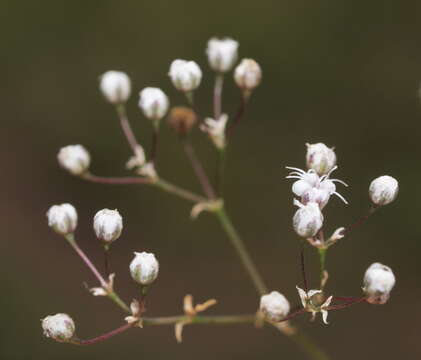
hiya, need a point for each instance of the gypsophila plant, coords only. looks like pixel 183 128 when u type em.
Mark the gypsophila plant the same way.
pixel 312 188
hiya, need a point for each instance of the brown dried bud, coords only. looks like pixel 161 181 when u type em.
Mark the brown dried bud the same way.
pixel 182 119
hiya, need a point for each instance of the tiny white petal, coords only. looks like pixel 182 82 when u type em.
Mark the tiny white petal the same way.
pixel 303 296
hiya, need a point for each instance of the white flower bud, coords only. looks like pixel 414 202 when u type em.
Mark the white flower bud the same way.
pixel 383 190
pixel 378 282
pixel 222 54
pixel 185 75
pixel 154 103
pixel 308 219
pixel 108 225
pixel 59 327
pixel 62 218
pixel 144 268
pixel 320 158
pixel 115 86
pixel 74 158
pixel 248 74
pixel 274 306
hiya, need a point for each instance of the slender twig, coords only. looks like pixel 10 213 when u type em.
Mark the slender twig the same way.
pixel 106 261
pixel 125 125
pixel 71 240
pixel 105 336
pixel 220 175
pixel 221 319
pixel 360 221
pixel 346 304
pixel 322 257
pixel 198 169
pixel 154 145
pixel 173 189
pixel 217 95
pixel 115 180
pixel 110 293
pixel 241 251
pixel 238 115
pixel 303 270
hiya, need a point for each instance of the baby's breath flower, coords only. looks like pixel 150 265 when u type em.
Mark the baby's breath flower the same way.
pixel 62 218
pixel 74 158
pixel 144 268
pixel 383 190
pixel 185 75
pixel 274 306
pixel 248 74
pixel 320 158
pixel 379 281
pixel 59 327
pixel 154 103
pixel 314 301
pixel 308 219
pixel 115 86
pixel 108 225
pixel 222 54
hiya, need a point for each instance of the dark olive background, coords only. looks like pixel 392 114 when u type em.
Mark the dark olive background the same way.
pixel 342 72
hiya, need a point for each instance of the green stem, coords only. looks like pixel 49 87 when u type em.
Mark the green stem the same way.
pixel 222 319
pixel 242 252
pixel 308 346
pixel 117 300
pixel 220 172
pixel 173 189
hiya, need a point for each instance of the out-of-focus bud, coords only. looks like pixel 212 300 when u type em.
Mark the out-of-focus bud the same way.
pixel 274 306
pixel 383 190
pixel 182 119
pixel 62 218
pixel 115 86
pixel 74 158
pixel 185 75
pixel 222 54
pixel 108 225
pixel 308 219
pixel 378 283
pixel 154 103
pixel 216 130
pixel 248 74
pixel 320 158
pixel 144 268
pixel 59 327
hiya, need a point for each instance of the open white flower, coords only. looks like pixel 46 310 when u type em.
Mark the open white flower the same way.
pixel 314 301
pixel 216 130
pixel 311 187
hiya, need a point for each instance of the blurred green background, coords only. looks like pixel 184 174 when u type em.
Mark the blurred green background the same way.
pixel 343 72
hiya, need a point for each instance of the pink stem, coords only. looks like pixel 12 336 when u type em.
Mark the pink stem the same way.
pixel 105 336
pixel 217 96
pixel 86 260
pixel 125 125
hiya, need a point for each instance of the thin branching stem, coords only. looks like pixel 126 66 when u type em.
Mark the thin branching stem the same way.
pixel 115 180
pixel 217 95
pixel 127 129
pixel 239 114
pixel 198 169
pixel 242 252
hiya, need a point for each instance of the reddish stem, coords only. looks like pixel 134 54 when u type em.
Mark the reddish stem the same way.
pixel 105 336
pixel 125 125
pixel 238 115
pixel 293 315
pixel 360 221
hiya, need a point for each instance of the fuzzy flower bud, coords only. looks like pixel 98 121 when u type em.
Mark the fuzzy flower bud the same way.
pixel 115 86
pixel 378 282
pixel 222 54
pixel 248 74
pixel 182 119
pixel 320 158
pixel 274 306
pixel 154 103
pixel 59 327
pixel 383 190
pixel 144 268
pixel 62 218
pixel 308 219
pixel 108 225
pixel 185 75
pixel 74 158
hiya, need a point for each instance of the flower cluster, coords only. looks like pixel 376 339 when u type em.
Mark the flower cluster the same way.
pixel 312 190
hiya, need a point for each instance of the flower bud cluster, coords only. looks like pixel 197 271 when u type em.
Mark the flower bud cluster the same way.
pixel 314 188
